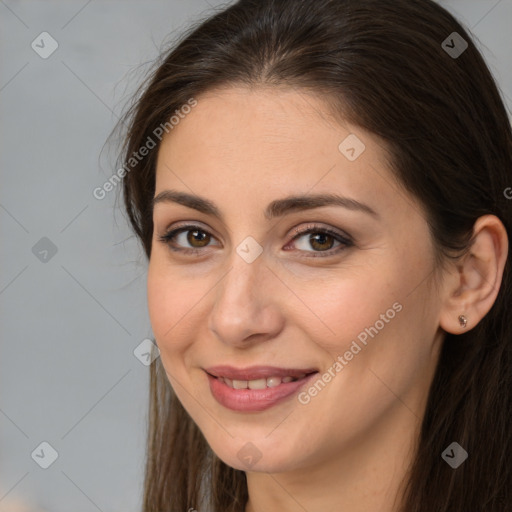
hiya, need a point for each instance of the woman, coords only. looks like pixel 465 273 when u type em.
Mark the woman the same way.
pixel 320 188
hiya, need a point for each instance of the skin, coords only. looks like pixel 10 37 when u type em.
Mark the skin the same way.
pixel 349 447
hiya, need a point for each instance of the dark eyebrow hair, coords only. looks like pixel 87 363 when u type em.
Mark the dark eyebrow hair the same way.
pixel 276 208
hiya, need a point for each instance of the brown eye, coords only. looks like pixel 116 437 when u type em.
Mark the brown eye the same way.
pixel 197 236
pixel 317 240
pixel 187 239
pixel 321 241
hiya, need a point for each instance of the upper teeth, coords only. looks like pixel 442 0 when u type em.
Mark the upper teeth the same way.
pixel 270 382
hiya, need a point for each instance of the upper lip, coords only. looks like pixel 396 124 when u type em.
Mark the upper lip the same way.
pixel 256 372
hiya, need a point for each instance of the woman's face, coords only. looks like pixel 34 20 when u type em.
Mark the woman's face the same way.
pixel 246 296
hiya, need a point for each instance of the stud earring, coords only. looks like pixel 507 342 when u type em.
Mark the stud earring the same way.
pixel 463 321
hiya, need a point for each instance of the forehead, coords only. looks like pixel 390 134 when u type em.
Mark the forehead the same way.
pixel 253 116
pixel 247 147
pixel 271 130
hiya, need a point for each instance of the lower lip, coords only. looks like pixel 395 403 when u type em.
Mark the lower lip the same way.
pixel 253 400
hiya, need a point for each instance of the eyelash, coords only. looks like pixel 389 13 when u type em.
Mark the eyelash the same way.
pixel 346 242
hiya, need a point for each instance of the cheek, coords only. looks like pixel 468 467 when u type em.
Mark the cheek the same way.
pixel 335 310
pixel 382 333
pixel 161 301
pixel 383 299
pixel 171 302
pixel 366 320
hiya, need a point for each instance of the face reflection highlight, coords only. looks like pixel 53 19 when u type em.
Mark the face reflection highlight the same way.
pixel 338 289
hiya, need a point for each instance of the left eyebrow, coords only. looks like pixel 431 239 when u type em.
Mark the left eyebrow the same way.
pixel 276 208
pixel 281 207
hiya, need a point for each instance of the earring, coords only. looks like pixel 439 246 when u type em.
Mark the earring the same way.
pixel 463 321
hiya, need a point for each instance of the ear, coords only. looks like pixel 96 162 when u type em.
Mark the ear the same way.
pixel 472 287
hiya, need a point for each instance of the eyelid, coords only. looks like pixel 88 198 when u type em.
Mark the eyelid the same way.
pixel 342 238
pixel 297 231
pixel 183 228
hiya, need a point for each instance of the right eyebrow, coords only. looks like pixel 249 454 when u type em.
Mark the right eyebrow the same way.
pixel 276 208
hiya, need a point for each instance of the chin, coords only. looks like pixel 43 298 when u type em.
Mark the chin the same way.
pixel 261 454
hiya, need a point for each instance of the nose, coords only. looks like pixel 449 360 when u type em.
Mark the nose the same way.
pixel 246 308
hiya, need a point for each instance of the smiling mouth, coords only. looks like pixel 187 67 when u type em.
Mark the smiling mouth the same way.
pixel 257 377
pixel 270 382
pixel 257 388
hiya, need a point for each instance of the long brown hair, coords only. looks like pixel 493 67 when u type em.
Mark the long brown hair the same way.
pixel 383 65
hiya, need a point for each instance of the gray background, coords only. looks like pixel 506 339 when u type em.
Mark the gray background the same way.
pixel 70 324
